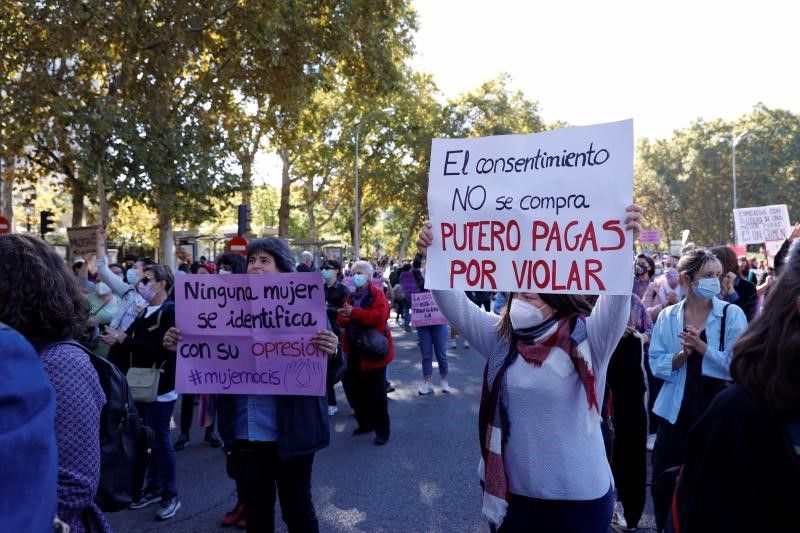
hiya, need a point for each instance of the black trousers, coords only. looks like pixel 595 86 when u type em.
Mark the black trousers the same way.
pixel 626 384
pixel 187 412
pixel 366 392
pixel 263 476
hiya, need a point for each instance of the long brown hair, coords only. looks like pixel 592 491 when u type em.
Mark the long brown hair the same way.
pixel 565 306
pixel 766 358
pixel 40 296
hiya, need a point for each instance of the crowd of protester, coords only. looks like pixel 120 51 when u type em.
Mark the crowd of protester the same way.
pixel 699 365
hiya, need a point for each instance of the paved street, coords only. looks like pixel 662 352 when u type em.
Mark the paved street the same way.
pixel 424 479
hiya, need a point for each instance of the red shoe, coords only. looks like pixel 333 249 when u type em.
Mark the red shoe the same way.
pixel 234 517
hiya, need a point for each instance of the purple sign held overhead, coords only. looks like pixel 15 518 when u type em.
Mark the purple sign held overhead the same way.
pixel 250 334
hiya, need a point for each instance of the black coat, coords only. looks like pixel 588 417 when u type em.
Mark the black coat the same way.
pixel 739 473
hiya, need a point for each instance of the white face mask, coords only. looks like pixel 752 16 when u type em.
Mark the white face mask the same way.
pixel 524 315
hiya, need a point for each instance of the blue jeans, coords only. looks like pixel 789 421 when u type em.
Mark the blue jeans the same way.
pixel 405 307
pixel 161 474
pixel 433 339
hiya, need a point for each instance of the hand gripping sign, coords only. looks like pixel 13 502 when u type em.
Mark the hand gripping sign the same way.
pixel 250 334
pixel 533 213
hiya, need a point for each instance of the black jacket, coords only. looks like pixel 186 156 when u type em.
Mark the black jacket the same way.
pixel 739 473
pixel 144 346
pixel 335 297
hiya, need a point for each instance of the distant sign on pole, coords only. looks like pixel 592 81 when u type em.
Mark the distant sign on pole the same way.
pixel 5 226
pixel 82 241
pixel 756 225
pixel 650 236
pixel 238 245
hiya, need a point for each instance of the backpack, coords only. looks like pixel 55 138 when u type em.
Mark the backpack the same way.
pixel 125 443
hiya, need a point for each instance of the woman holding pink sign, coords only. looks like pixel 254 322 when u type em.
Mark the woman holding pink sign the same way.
pixel 543 457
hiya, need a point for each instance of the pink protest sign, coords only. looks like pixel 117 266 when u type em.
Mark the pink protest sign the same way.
pixel 650 236
pixel 424 311
pixel 250 334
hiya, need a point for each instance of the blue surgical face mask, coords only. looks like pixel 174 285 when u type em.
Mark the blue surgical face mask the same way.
pixel 359 280
pixel 326 274
pixel 132 276
pixel 707 288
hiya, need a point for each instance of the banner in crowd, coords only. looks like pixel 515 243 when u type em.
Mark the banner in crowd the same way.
pixel 82 241
pixel 424 311
pixel 250 334
pixel 540 213
pixel 650 236
pixel 756 225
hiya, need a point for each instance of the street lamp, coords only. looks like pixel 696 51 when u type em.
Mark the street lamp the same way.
pixel 357 230
pixel 734 140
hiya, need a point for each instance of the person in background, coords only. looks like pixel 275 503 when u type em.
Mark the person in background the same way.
pixel 745 270
pixel 644 271
pixel 664 291
pixel 28 453
pixel 271 440
pixel 626 394
pixel 499 302
pixel 140 346
pixel 306 262
pixel 45 305
pixel 432 339
pixel 130 302
pixel 410 282
pixel 544 462
pixel 104 306
pixel 365 379
pixel 691 351
pixel 231 264
pixel 735 289
pixel 742 469
pixel 336 294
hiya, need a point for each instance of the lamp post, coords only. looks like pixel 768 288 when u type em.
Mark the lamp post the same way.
pixel 357 229
pixel 734 140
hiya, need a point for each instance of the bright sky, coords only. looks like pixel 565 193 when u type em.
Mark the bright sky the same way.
pixel 662 63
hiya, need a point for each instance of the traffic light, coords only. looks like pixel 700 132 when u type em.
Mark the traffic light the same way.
pixel 245 218
pixel 45 223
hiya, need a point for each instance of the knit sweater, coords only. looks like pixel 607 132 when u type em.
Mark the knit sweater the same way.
pixel 79 401
pixel 554 447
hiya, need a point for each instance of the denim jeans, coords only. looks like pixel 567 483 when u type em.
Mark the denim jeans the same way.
pixel 405 306
pixel 433 339
pixel 161 475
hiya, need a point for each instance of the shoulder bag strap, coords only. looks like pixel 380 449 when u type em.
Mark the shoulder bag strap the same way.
pixel 722 328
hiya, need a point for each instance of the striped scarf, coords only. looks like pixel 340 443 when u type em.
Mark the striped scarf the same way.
pixel 534 346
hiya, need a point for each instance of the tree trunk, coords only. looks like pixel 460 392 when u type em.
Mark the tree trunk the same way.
pixel 102 199
pixel 404 241
pixel 246 160
pixel 166 243
pixel 312 223
pixel 283 210
pixel 7 182
pixel 78 194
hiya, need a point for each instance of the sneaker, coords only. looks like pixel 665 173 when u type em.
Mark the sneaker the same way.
pixel 332 409
pixel 618 522
pixel 408 329
pixel 148 497
pixel 466 344
pixel 445 386
pixel 425 389
pixel 213 441
pixel 381 440
pixel 453 344
pixel 651 442
pixel 232 518
pixel 168 508
pixel 182 442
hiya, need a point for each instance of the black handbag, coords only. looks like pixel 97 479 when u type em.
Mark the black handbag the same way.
pixel 368 343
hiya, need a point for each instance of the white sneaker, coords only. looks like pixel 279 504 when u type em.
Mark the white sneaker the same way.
pixel 651 442
pixel 332 410
pixel 618 522
pixel 453 344
pixel 425 389
pixel 466 344
pixel 445 386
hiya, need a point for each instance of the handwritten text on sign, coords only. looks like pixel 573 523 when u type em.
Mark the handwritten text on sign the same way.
pixel 250 334
pixel 424 311
pixel 755 225
pixel 539 213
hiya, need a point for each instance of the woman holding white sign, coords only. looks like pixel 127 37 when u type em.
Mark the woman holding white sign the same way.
pixel 543 458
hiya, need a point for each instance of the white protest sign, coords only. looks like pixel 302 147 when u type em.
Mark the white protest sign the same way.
pixel 755 225
pixel 424 311
pixel 539 213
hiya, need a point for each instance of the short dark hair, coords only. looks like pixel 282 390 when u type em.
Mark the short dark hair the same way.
pixel 565 306
pixel 42 299
pixel 651 270
pixel 161 273
pixel 728 260
pixel 235 261
pixel 766 358
pixel 277 248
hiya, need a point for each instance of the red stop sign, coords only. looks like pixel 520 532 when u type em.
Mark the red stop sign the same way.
pixel 5 226
pixel 238 245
